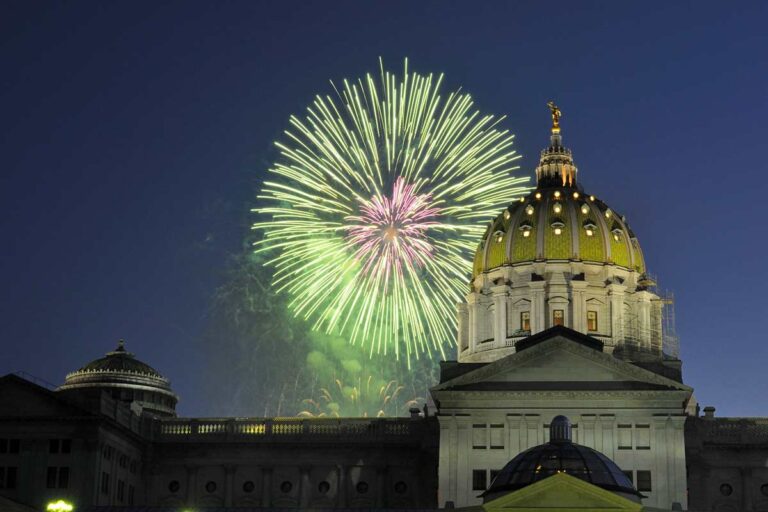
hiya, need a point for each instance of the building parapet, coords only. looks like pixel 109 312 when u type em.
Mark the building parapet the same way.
pixel 387 430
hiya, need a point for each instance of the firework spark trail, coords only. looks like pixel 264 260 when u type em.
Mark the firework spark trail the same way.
pixel 376 207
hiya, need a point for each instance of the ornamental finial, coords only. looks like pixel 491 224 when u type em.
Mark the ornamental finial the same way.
pixel 556 114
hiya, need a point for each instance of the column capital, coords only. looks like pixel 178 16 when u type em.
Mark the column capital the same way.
pixel 616 289
pixel 500 291
pixel 579 285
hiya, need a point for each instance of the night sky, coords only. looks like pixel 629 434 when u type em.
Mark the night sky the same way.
pixel 135 136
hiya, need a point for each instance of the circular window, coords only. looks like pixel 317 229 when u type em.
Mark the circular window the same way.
pixel 249 486
pixel 401 487
pixel 764 489
pixel 726 490
pixel 174 486
pixel 210 487
pixel 286 487
pixel 362 487
pixel 323 487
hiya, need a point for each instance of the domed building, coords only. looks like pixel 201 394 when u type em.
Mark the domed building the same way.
pixel 560 256
pixel 561 456
pixel 126 379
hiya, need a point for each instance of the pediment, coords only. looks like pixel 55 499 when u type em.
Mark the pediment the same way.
pixel 563 359
pixel 562 492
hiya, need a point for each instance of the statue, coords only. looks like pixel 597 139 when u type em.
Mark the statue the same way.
pixel 556 114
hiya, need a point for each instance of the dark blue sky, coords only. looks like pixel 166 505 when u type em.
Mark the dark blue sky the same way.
pixel 134 135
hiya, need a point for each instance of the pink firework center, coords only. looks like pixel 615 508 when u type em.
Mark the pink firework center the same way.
pixel 389 235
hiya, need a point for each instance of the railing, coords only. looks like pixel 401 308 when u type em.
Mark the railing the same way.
pixel 273 429
pixel 735 430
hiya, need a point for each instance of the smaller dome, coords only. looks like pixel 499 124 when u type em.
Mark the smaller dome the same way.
pixel 120 360
pixel 125 378
pixel 561 455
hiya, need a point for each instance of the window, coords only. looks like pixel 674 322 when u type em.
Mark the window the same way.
pixel 174 486
pixel 123 461
pixel 120 490
pixel 8 477
pixel 644 481
pixel 133 466
pixel 66 445
pixel 625 437
pixel 210 487
pixel 108 451
pixel 629 475
pixel 104 483
pixel 558 317
pixel 249 486
pixel 726 489
pixel 131 492
pixel 497 437
pixel 479 479
pixel 53 446
pixel 525 320
pixel 286 487
pixel 479 441
pixel 361 487
pixel 401 487
pixel 323 487
pixel 592 321
pixel 9 446
pixel 642 437
pixel 57 478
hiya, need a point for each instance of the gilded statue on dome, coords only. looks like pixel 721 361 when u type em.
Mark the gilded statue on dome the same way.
pixel 556 114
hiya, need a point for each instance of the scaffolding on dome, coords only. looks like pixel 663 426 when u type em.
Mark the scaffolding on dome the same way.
pixel 662 325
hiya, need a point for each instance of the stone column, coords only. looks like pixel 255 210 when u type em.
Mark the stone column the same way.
pixel 616 296
pixel 644 319
pixel 538 307
pixel 341 500
pixel 579 314
pixel 304 490
pixel 266 487
pixel 462 314
pixel 500 294
pixel 229 484
pixel 472 305
pixel 191 484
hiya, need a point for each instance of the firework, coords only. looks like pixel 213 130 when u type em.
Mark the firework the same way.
pixel 366 398
pixel 376 205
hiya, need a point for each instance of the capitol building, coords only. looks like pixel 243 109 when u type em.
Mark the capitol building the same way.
pixel 567 394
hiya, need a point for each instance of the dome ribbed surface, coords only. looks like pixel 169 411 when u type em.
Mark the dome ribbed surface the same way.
pixel 559 224
pixel 119 360
pixel 561 456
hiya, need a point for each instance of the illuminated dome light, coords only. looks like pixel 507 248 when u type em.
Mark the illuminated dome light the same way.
pixel 557 193
pixel 557 208
pixel 608 213
pixel 526 228
pixel 558 226
pixel 522 199
pixel 575 195
pixel 616 232
pixel 529 209
pixel 499 236
pixel 589 228
pixel 507 215
pixel 592 198
pixel 585 208
pixel 538 195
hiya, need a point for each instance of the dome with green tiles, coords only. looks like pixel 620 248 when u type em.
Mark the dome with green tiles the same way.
pixel 558 221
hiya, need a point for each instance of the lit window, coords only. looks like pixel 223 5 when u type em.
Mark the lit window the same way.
pixel 608 213
pixel 558 227
pixel 557 193
pixel 527 233
pixel 575 195
pixel 591 198
pixel 585 208
pixel 529 209
pixel 616 233
pixel 498 236
pixel 558 231
pixel 557 207
pixel 522 199
pixel 525 320
pixel 507 215
pixel 592 321
pixel 558 317
pixel 538 195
